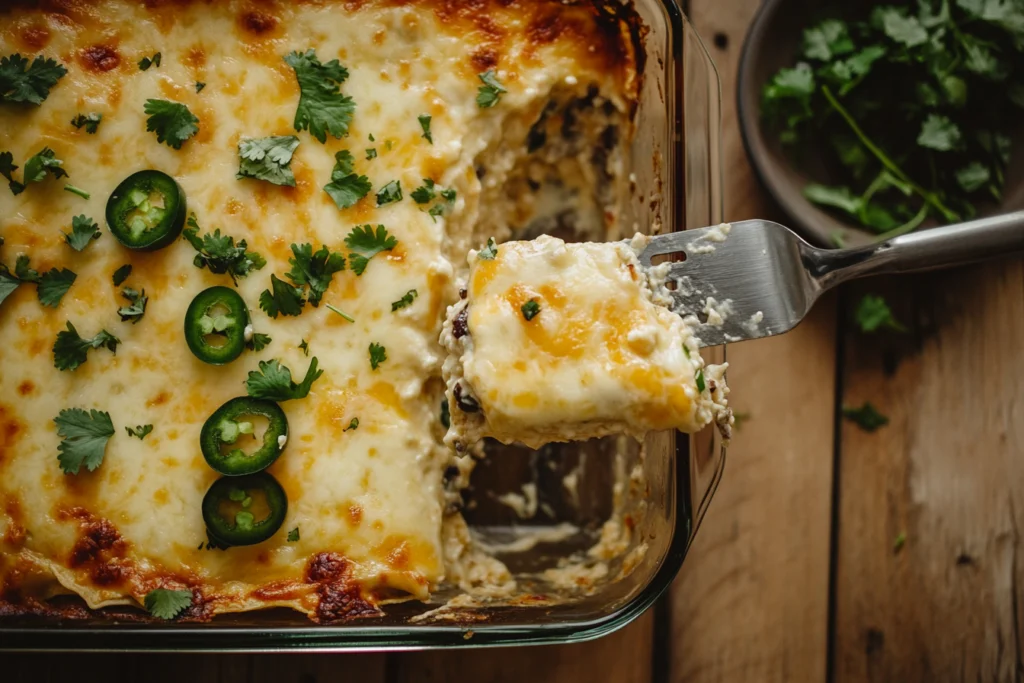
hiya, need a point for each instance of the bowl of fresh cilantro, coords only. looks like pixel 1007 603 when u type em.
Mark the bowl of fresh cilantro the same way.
pixel 866 120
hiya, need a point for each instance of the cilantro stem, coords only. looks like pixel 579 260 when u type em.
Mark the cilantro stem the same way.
pixel 888 163
pixel 909 226
pixel 342 313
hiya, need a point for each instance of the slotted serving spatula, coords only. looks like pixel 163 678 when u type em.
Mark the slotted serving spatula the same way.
pixel 763 279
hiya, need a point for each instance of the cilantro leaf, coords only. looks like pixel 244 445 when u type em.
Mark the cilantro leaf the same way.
pixel 28 83
pixel 85 436
pixel 219 252
pixel 346 187
pixel 147 62
pixel 424 120
pixel 281 298
pixel 424 193
pixel 141 431
pixel 121 274
pixel 448 195
pixel 826 40
pixel 137 305
pixel 530 309
pixel 837 197
pixel 866 417
pixel 167 604
pixel 378 354
pixel 938 133
pixel 24 272
pixel 83 231
pixel 91 122
pixel 490 92
pixel 53 285
pixel 406 300
pixel 304 345
pixel 390 193
pixel 70 349
pixel 172 122
pixel 873 313
pixel 268 159
pixel 8 283
pixel 274 381
pixel 258 341
pixel 322 108
pixel 314 269
pixel 371 153
pixel 899 27
pixel 293 535
pixel 489 251
pixel 973 176
pixel 45 161
pixel 364 244
pixel 7 169
pixel 199 87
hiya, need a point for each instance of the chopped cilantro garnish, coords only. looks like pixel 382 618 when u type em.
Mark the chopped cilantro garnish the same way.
pixel 342 313
pixel 489 251
pixel 700 381
pixel 322 108
pixel 28 83
pixel 147 62
pixel 8 283
pixel 83 231
pixel 424 120
pixel 199 86
pixel 77 190
pixel 390 193
pixel 274 381
pixel 172 122
pixel 449 194
pixel 219 252
pixel 530 309
pixel 44 162
pixel 53 285
pixel 865 417
pixel 7 169
pixel 304 345
pixel 873 313
pixel 378 354
pixel 84 438
pixel 314 269
pixel 70 349
pixel 163 603
pixel 268 159
pixel 371 153
pixel 346 187
pixel 140 431
pixel 490 92
pixel 281 298
pixel 258 342
pixel 424 193
pixel 24 271
pixel 353 424
pixel 121 274
pixel 364 244
pixel 91 122
pixel 406 300
pixel 293 535
pixel 137 305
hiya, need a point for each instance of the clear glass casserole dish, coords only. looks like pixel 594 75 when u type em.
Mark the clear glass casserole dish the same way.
pixel 675 158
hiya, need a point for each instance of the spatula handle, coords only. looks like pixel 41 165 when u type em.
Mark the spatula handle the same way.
pixel 950 245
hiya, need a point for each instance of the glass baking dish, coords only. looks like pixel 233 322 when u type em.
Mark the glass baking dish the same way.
pixel 675 158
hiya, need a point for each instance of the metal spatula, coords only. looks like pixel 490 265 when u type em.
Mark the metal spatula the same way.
pixel 760 279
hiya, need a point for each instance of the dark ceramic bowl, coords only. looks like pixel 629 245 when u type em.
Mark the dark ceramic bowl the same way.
pixel 772 43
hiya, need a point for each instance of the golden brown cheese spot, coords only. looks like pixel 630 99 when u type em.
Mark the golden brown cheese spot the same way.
pixel 484 58
pixel 195 57
pixel 26 387
pixel 326 567
pixel 34 37
pixel 355 514
pixel 257 22
pixel 97 538
pixel 342 602
pixel 99 58
pixel 16 532
pixel 158 400
pixel 10 430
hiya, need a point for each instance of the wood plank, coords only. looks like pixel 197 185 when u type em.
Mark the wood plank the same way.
pixel 622 657
pixel 948 471
pixel 751 603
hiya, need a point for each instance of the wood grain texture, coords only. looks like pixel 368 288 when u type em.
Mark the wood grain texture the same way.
pixel 622 657
pixel 751 603
pixel 948 471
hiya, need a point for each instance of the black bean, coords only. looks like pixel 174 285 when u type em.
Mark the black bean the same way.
pixel 460 326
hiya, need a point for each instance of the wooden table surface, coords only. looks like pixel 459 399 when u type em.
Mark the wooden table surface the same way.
pixel 795 574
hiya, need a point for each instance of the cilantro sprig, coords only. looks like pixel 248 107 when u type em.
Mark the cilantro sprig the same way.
pixel 219 252
pixel 323 109
pixel 91 122
pixel 85 435
pixel 71 349
pixel 28 83
pixel 83 231
pixel 364 243
pixel 910 106
pixel 311 274
pixel 274 382
pixel 378 354
pixel 164 603
pixel 405 301
pixel 172 122
pixel 136 308
pixel 346 187
pixel 139 431
pixel 268 159
pixel 491 91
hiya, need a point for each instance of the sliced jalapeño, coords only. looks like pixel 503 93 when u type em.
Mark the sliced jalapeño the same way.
pixel 244 510
pixel 216 325
pixel 146 211
pixel 233 426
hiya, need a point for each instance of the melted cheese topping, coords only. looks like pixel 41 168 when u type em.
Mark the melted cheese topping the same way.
pixel 601 355
pixel 368 502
